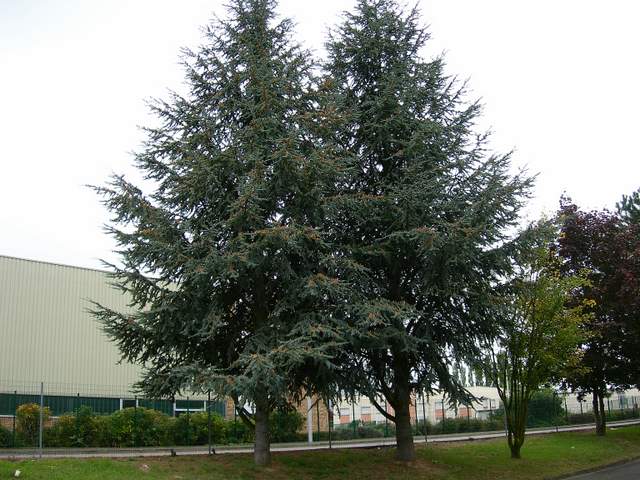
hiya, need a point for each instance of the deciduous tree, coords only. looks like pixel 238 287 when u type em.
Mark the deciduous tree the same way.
pixel 607 246
pixel 540 330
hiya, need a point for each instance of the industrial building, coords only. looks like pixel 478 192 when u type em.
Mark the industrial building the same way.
pixel 49 339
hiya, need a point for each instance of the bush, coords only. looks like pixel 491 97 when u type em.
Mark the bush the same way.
pixel 285 426
pixel 139 427
pixel 28 422
pixel 6 439
pixel 363 430
pixel 193 429
pixel 545 409
pixel 238 432
pixel 578 418
pixel 622 414
pixel 80 429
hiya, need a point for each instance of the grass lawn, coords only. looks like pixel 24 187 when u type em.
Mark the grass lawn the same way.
pixel 543 457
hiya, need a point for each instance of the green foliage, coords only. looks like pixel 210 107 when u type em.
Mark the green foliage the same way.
pixel 550 456
pixel 28 421
pixel 79 429
pixel 6 438
pixel 448 426
pixel 541 330
pixel 238 278
pixel 133 427
pixel 193 429
pixel 629 207
pixel 143 427
pixel 239 432
pixel 546 409
pixel 423 214
pixel 285 425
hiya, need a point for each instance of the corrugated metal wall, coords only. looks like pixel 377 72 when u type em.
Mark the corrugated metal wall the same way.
pixel 46 333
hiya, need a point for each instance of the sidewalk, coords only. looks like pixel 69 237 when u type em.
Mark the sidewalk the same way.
pixel 281 447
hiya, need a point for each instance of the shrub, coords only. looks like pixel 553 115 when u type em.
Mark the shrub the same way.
pixel 238 432
pixel 545 409
pixel 28 421
pixel 6 439
pixel 193 429
pixel 80 429
pixel 622 414
pixel 285 425
pixel 578 418
pixel 139 427
pixel 363 430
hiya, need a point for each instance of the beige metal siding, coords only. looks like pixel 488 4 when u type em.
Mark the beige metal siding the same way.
pixel 46 333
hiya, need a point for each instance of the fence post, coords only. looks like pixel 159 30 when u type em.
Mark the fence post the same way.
pixel 309 420
pixel 609 407
pixel 353 417
pixel 581 411
pixel 444 415
pixel 424 418
pixel 209 420
pixel 318 417
pixel 416 412
pixel 15 408
pixel 41 426
pixel 386 420
pixel 330 419
pixel 566 410
pixel 555 410
pixel 468 417
pixel 188 424
pixel 235 419
pixel 135 419
pixel 77 410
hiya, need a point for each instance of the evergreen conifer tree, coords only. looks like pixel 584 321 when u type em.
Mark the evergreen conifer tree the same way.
pixel 223 257
pixel 629 207
pixel 423 216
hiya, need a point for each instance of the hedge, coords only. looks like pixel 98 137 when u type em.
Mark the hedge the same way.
pixel 139 427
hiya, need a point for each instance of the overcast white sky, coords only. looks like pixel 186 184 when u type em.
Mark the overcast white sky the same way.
pixel 560 81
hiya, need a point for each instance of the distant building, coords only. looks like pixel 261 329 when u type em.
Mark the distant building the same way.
pixel 436 407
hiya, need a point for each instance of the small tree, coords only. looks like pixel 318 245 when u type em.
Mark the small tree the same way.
pixel 540 334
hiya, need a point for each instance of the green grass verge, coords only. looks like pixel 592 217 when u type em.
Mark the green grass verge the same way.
pixel 543 457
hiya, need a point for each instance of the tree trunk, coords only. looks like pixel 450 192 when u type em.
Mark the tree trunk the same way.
pixel 598 413
pixel 603 414
pixel 262 445
pixel 405 450
pixel 515 450
pixel 516 419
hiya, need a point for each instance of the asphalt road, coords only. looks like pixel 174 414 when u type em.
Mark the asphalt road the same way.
pixel 625 471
